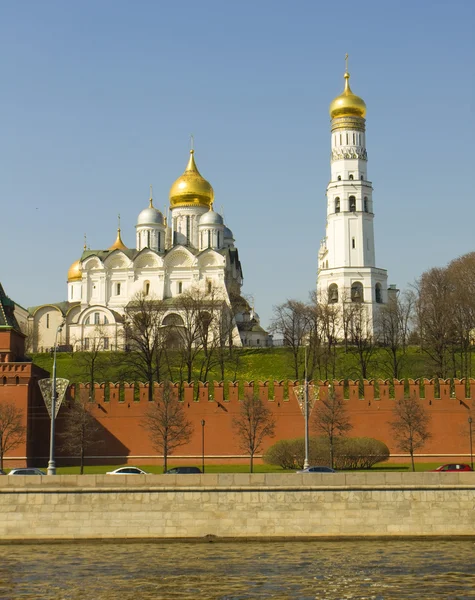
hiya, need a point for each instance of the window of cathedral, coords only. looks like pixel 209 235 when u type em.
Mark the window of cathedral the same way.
pixel 180 287
pixel 337 205
pixel 117 289
pixel 352 200
pixel 146 289
pixel 209 287
pixel 47 321
pixel 339 177
pixel 333 293
pixel 353 243
pixel 86 343
pixel 365 204
pixel 350 177
pixel 96 318
pixel 378 293
pixel 357 292
pixel 362 177
pixel 106 343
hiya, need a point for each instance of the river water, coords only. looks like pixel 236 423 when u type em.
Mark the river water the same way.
pixel 370 570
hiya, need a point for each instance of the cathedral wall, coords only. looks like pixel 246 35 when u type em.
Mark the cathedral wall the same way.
pixel 119 410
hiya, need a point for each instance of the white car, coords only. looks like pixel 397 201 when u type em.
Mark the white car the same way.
pixel 127 471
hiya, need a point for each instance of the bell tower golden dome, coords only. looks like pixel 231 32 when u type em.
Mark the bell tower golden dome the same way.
pixel 347 104
pixel 191 189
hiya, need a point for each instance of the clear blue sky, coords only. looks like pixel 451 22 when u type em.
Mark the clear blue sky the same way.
pixel 98 100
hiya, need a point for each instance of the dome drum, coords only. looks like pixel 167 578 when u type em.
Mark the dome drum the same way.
pixel 348 123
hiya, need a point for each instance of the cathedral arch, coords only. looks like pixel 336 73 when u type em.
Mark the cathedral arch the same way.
pixel 179 258
pixel 352 203
pixel 92 263
pixel 357 292
pixel 147 259
pixel 337 204
pixel 173 320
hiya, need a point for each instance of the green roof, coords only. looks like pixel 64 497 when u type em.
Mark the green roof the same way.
pixel 7 314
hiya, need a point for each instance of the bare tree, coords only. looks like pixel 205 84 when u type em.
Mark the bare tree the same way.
pixel 254 423
pixel 12 430
pixel 80 431
pixel 393 324
pixel 362 337
pixel 146 340
pixel 330 419
pixel 410 426
pixel 291 320
pixel 325 318
pixel 167 424
pixel 91 364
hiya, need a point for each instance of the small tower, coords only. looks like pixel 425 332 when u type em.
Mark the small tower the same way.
pixel 190 197
pixel 211 229
pixel 347 269
pixel 150 228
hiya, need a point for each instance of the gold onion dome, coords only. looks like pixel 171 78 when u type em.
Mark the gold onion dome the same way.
pixel 74 273
pixel 191 189
pixel 347 104
pixel 118 244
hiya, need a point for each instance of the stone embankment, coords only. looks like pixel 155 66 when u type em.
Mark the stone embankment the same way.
pixel 232 506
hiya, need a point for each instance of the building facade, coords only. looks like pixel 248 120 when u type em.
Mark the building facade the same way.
pixel 191 251
pixel 347 271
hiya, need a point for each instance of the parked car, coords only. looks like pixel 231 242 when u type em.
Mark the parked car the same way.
pixel 182 470
pixel 2 472
pixel 317 470
pixel 453 467
pixel 127 471
pixel 27 471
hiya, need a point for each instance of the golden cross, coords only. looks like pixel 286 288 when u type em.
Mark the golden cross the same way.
pixel 118 219
pixel 85 242
pixel 346 62
pixel 192 142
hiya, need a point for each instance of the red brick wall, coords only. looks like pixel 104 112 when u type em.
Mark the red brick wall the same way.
pixel 120 411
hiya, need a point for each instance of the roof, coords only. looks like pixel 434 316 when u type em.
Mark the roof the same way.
pixel 63 307
pixel 7 314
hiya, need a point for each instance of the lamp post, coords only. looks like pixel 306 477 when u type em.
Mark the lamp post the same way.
pixel 51 463
pixel 306 463
pixel 203 423
pixel 471 447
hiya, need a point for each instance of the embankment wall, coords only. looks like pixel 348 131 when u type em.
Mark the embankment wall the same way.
pixel 237 506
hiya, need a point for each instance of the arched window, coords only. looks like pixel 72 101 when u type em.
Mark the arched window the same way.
pixel 350 177
pixel 47 321
pixel 210 287
pixel 378 293
pixel 339 178
pixel 173 320
pixel 106 320
pixel 361 177
pixel 146 288
pixel 180 287
pixel 337 205
pixel 357 292
pixel 96 318
pixel 333 293
pixel 365 204
pixel 352 200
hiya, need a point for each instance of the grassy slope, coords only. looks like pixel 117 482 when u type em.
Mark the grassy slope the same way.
pixel 257 364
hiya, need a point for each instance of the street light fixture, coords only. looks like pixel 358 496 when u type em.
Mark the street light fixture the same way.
pixel 471 447
pixel 306 404
pixel 203 423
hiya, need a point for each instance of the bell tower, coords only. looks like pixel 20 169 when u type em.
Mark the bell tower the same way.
pixel 347 269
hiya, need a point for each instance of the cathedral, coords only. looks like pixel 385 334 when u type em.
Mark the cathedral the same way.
pixel 347 271
pixel 190 251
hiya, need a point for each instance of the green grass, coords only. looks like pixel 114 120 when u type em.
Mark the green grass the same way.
pixel 253 364
pixel 258 468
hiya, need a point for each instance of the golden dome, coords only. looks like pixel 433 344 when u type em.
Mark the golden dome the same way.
pixel 118 244
pixel 74 273
pixel 347 104
pixel 191 189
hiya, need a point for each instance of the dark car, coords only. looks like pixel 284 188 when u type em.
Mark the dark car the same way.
pixel 453 467
pixel 182 470
pixel 317 470
pixel 2 472
pixel 27 471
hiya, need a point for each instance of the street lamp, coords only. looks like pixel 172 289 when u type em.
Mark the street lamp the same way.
pixel 203 423
pixel 471 447
pixel 305 404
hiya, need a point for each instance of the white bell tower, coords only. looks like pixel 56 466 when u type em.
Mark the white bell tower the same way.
pixel 347 269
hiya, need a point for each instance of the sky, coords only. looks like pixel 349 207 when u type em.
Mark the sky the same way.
pixel 98 101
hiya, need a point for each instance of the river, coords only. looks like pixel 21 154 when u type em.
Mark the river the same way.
pixel 322 570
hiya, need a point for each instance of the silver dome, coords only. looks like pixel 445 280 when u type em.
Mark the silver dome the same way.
pixel 211 218
pixel 150 216
pixel 228 234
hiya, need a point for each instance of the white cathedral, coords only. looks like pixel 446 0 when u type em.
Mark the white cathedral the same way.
pixel 194 250
pixel 347 269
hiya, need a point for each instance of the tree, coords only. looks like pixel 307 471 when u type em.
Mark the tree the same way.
pixel 254 423
pixel 410 426
pixel 80 431
pixel 393 324
pixel 146 339
pixel 91 364
pixel 362 336
pixel 331 419
pixel 291 320
pixel 167 424
pixel 12 430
